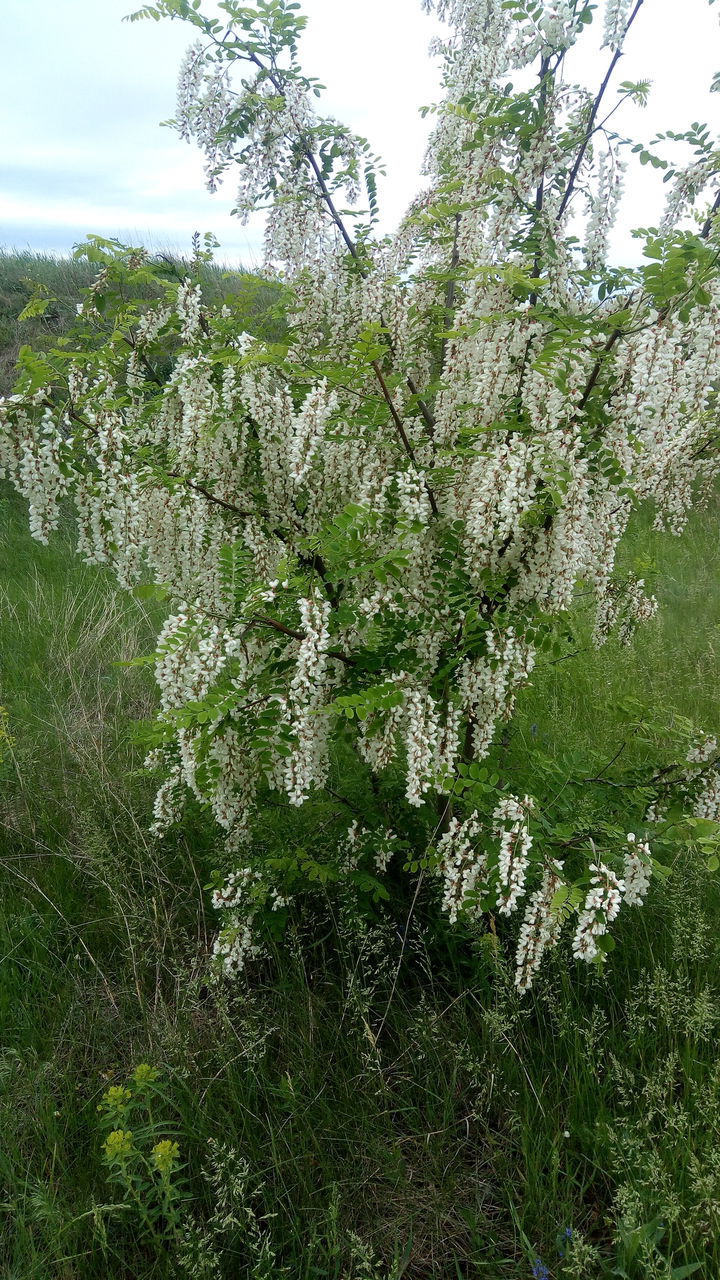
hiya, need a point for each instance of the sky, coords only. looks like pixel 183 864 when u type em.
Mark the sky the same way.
pixel 83 93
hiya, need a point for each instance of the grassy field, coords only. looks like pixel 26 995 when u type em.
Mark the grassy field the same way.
pixel 352 1108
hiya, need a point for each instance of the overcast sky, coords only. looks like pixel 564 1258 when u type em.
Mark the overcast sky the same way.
pixel 82 95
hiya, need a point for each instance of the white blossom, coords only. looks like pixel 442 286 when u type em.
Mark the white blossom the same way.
pixel 601 907
pixel 510 824
pixel 540 928
pixel 462 865
pixel 637 870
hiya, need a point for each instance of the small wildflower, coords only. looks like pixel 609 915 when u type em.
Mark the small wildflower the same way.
pixel 539 1270
pixel 115 1100
pixel 144 1074
pixel 165 1155
pixel 118 1146
pixel 564 1239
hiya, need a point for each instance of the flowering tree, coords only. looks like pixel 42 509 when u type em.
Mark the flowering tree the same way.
pixel 368 529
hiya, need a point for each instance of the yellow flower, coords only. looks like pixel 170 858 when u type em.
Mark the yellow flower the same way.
pixel 165 1155
pixel 116 1099
pixel 118 1145
pixel 144 1074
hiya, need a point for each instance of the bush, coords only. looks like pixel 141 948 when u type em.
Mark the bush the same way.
pixel 370 525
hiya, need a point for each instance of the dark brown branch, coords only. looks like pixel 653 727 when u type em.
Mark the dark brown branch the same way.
pixel 400 428
pixel 600 777
pixel 425 411
pixel 707 228
pixel 595 372
pixel 540 193
pixel 316 563
pixel 352 249
pixel 259 620
pixel 706 445
pixel 211 497
pixel 131 342
pixel 343 800
pixel 593 114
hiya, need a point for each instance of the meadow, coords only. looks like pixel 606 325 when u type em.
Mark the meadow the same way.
pixel 373 1099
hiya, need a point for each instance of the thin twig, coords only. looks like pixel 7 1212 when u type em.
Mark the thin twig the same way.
pixel 595 108
pixel 352 249
pixel 540 193
pixel 260 620
pixel 707 228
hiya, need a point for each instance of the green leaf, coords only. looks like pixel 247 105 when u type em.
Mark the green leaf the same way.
pixel 35 307
pixel 150 591
pixel 606 943
pixel 705 828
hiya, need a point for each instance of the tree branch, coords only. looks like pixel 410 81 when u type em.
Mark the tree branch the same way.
pixel 259 620
pixel 352 249
pixel 211 497
pixel 540 193
pixel 707 228
pixel 595 108
pixel 595 372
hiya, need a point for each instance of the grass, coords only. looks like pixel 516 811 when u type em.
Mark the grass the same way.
pixel 433 1126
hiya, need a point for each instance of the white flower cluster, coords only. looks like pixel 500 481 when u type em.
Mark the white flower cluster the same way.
pixel 510 823
pixel 378 735
pixel 637 871
pixel 376 844
pixel 309 427
pixel 699 782
pixel 462 866
pixel 421 736
pixel 203 104
pixel 540 928
pixel 702 750
pixel 235 941
pixel 40 476
pixel 604 206
pixel 488 685
pixel 703 779
pixel 707 801
pixel 189 298
pixel 616 16
pixel 601 907
pixel 168 803
pixel 623 606
pixel 307 764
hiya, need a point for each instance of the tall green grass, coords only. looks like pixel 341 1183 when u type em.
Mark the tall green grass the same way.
pixel 399 1109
